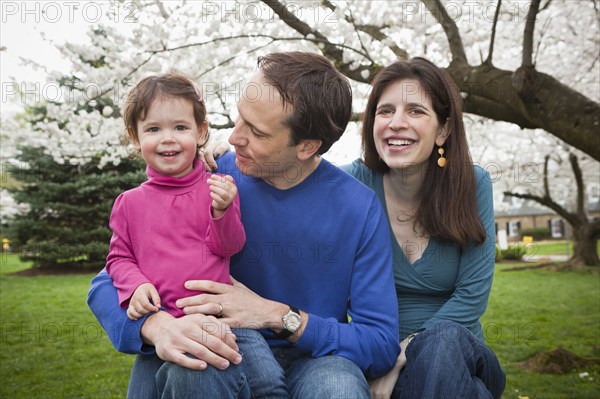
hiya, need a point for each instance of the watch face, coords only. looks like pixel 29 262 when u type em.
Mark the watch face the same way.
pixel 292 321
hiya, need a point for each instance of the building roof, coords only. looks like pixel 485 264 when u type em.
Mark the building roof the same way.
pixel 531 208
pixel 527 208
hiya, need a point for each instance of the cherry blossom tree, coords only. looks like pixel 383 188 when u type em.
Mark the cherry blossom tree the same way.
pixel 532 65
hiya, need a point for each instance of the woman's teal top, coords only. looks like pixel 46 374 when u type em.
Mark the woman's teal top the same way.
pixel 446 283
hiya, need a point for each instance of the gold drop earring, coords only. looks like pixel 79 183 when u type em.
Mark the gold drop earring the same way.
pixel 441 160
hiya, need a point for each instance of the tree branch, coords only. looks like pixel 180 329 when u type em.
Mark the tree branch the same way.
pixel 356 117
pixel 493 36
pixel 580 186
pixel 528 33
pixel 545 6
pixel 374 31
pixel 481 106
pixel 333 51
pixel 575 219
pixel 554 106
pixel 454 40
pixel 571 218
pixel 546 186
pixel 351 20
pixel 228 60
pixel 161 8
pixel 230 123
pixel 227 125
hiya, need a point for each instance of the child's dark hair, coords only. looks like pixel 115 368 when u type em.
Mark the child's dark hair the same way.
pixel 140 99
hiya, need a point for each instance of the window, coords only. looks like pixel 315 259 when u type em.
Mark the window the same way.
pixel 557 228
pixel 514 228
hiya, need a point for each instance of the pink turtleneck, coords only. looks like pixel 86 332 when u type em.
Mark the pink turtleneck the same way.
pixel 163 233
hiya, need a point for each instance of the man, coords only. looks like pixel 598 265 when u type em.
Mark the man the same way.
pixel 315 274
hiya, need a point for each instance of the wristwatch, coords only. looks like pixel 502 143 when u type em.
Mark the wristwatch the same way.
pixel 291 323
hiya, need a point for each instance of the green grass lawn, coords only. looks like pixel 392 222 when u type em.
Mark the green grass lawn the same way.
pixel 532 311
pixel 52 347
pixel 50 343
pixel 551 248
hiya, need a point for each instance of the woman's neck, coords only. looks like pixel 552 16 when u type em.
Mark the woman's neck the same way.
pixel 403 185
pixel 402 189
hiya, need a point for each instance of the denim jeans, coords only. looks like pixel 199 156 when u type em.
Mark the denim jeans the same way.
pixel 324 377
pixel 447 361
pixel 258 376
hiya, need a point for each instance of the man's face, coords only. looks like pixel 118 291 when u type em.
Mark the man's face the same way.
pixel 260 137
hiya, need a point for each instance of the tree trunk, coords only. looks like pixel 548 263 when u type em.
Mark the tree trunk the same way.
pixel 584 246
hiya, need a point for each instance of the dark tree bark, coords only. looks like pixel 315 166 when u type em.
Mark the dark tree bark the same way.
pixel 585 233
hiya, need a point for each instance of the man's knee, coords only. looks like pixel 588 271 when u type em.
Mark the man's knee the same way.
pixel 333 377
pixel 172 375
pixel 180 382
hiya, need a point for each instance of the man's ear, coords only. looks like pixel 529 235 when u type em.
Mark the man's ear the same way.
pixel 442 135
pixel 308 148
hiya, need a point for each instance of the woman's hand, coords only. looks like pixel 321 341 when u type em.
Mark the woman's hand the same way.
pixel 383 387
pixel 236 304
pixel 209 340
pixel 211 152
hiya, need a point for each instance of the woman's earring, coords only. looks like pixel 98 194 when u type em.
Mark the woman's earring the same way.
pixel 441 160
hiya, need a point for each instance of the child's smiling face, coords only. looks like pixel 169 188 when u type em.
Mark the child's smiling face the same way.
pixel 168 137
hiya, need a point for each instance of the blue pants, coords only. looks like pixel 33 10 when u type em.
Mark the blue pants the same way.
pixel 257 376
pixel 447 361
pixel 321 378
pixel 263 373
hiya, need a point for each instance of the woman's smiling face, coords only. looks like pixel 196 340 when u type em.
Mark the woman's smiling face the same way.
pixel 406 128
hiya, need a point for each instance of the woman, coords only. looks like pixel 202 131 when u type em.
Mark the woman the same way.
pixel 441 217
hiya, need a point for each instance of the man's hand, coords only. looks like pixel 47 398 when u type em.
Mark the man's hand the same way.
pixel 213 151
pixel 222 192
pixel 237 305
pixel 206 338
pixel 145 299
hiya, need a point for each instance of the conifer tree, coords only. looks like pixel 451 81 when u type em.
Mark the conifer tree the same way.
pixel 67 224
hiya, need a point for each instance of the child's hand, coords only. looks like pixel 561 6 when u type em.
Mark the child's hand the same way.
pixel 140 304
pixel 222 192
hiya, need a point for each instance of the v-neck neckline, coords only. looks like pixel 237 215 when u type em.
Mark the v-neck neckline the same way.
pixel 395 243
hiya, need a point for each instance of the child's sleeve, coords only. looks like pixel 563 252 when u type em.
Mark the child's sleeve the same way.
pixel 121 263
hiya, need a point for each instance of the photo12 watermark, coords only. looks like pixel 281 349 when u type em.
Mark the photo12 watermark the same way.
pixel 55 12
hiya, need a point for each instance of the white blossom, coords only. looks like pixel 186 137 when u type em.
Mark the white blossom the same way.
pixel 188 40
pixel 10 208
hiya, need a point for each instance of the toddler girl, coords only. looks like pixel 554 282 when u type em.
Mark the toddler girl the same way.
pixel 183 223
